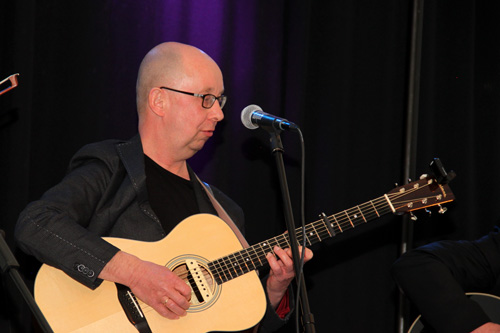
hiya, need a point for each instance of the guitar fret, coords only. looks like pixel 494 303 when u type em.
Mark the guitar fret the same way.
pixel 299 241
pixel 243 262
pixel 327 223
pixel 348 218
pixel 354 218
pixel 224 276
pixel 273 242
pixel 262 254
pixel 257 255
pixel 286 240
pixel 317 232
pixel 308 239
pixel 248 260
pixel 361 214
pixel 235 266
pixel 319 238
pixel 321 230
pixel 374 208
pixel 326 227
pixel 213 269
pixel 280 242
pixel 338 225
pixel 227 269
pixel 220 270
pixel 269 246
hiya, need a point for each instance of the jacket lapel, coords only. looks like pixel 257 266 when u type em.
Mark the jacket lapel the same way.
pixel 132 157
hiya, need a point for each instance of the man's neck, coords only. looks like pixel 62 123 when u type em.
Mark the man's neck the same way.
pixel 167 160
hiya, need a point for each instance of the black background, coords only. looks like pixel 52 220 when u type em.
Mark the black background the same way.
pixel 339 69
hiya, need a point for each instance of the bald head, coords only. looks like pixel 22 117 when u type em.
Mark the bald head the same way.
pixel 168 64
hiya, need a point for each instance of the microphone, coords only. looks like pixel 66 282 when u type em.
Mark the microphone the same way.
pixel 252 117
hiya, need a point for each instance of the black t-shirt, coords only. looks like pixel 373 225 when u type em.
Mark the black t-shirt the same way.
pixel 171 197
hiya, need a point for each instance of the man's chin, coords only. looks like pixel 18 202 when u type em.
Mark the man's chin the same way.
pixel 197 148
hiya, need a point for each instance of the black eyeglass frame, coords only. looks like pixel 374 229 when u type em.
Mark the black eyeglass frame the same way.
pixel 210 100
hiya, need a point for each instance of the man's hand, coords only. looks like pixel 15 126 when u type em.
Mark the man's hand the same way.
pixel 153 284
pixel 282 273
pixel 487 328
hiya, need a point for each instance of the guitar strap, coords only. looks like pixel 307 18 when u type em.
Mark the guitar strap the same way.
pixel 226 218
pixel 223 214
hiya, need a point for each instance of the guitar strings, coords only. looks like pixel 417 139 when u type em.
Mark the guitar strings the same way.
pixel 227 268
pixel 249 259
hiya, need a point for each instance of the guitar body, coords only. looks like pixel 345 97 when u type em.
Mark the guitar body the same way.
pixel 489 303
pixel 235 305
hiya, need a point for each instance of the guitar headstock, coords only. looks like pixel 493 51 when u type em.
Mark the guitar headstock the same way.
pixel 420 194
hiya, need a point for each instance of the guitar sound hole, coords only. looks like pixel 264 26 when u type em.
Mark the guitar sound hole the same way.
pixel 197 295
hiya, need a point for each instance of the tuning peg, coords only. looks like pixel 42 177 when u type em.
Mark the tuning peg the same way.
pixel 442 209
pixel 396 184
pixel 428 212
pixel 413 217
pixel 423 176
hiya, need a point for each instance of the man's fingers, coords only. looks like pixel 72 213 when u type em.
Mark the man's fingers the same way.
pixel 182 301
pixel 175 308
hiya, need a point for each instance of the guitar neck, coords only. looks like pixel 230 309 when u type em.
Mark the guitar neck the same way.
pixel 254 257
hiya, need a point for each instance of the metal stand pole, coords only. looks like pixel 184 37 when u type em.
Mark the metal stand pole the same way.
pixel 411 138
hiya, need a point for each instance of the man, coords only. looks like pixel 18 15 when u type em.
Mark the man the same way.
pixel 435 278
pixel 142 188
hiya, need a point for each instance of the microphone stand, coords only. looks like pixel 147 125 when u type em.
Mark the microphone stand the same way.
pixel 8 263
pixel 277 150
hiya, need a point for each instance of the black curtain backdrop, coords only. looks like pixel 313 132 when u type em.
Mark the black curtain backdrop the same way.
pixel 339 69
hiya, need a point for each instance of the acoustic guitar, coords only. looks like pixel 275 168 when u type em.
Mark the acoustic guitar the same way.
pixel 489 303
pixel 227 294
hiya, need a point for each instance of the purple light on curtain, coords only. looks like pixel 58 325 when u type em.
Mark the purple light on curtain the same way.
pixel 225 30
pixel 244 37
pixel 199 23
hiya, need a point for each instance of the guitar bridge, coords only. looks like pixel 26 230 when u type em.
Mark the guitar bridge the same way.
pixel 132 310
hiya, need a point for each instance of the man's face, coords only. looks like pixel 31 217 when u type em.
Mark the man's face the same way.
pixel 188 124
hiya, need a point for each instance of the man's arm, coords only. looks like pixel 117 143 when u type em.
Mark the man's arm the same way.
pixel 436 277
pixel 154 284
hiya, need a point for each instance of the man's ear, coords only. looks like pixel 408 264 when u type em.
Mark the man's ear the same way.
pixel 157 101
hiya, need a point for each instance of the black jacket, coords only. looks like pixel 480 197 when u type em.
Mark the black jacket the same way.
pixel 104 194
pixel 436 277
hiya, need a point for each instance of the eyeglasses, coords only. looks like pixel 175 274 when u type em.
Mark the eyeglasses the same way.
pixel 208 99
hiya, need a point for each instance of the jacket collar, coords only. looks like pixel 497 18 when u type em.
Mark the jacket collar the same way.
pixel 132 157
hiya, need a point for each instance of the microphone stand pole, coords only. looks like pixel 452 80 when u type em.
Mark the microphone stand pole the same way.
pixel 277 150
pixel 8 263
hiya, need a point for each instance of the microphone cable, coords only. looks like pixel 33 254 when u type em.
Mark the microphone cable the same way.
pixel 303 227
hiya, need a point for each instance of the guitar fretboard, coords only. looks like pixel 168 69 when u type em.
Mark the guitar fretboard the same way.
pixel 254 257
